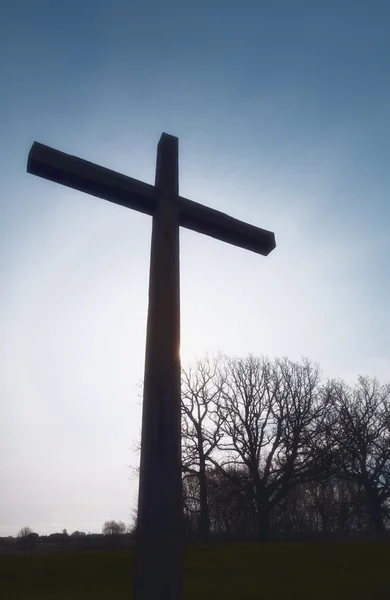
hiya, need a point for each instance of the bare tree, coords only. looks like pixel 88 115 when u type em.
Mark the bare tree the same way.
pixel 362 434
pixel 27 538
pixel 25 532
pixel 271 416
pixel 114 528
pixel 201 422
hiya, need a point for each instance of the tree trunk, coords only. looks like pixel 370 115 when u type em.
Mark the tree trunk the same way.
pixel 375 508
pixel 262 509
pixel 263 521
pixel 204 528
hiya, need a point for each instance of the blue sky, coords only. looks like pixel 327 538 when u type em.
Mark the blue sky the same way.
pixel 282 112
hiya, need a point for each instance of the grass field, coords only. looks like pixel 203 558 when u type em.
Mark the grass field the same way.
pixel 240 571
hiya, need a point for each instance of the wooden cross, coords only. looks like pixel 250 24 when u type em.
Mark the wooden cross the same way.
pixel 159 524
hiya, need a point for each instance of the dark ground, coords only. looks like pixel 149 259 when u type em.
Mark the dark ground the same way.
pixel 227 571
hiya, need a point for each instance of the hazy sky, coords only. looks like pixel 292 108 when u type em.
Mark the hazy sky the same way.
pixel 282 112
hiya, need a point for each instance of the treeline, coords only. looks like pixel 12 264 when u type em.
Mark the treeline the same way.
pixel 110 528
pixel 272 450
pixel 115 534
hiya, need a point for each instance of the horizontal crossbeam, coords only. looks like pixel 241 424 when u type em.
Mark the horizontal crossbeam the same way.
pixel 109 185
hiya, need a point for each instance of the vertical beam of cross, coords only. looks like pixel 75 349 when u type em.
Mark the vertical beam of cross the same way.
pixel 159 525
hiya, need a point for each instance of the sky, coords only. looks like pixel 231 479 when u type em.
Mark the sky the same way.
pixel 282 113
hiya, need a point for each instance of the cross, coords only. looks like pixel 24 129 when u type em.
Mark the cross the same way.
pixel 159 525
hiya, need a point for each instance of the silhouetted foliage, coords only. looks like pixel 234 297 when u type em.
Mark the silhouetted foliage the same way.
pixel 114 528
pixel 25 532
pixel 281 453
pixel 201 431
pixel 27 539
pixel 361 433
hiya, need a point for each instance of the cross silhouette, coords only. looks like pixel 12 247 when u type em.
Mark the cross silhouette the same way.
pixel 159 521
